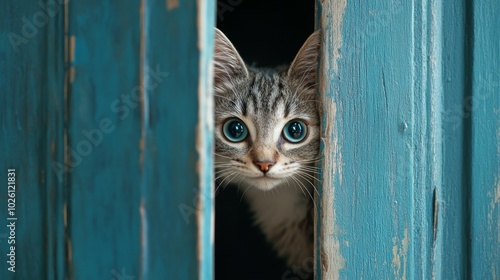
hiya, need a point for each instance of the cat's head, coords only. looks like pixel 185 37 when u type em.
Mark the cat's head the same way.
pixel 266 121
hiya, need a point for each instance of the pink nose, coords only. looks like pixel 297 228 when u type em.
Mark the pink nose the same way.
pixel 264 166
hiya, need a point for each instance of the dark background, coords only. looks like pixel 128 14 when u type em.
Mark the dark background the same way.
pixel 266 34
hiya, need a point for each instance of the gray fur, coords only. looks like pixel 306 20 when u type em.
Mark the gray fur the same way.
pixel 265 100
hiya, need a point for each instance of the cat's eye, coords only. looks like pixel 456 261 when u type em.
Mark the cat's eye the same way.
pixel 295 131
pixel 235 130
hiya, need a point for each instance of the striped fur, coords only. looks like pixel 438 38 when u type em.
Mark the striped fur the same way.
pixel 266 100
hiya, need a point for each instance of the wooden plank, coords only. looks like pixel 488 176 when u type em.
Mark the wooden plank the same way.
pixel 381 139
pixel 139 205
pixel 103 140
pixel 484 106
pixel 177 137
pixel 31 79
pixel 451 227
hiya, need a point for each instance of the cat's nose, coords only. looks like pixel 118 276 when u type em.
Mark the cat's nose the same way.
pixel 264 166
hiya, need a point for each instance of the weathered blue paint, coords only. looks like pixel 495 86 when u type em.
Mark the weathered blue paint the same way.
pixel 450 261
pixel 410 170
pixel 124 92
pixel 109 186
pixel 143 180
pixel 31 138
pixel 484 107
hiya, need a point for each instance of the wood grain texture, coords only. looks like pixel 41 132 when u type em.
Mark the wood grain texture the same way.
pixel 410 141
pixel 31 121
pixel 107 118
pixel 484 107
pixel 370 125
pixel 135 197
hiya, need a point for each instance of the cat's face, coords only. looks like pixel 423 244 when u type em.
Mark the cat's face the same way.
pixel 266 121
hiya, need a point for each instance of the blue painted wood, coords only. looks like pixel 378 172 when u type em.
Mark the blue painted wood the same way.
pixel 375 192
pixel 31 133
pixel 138 73
pixel 107 120
pixel 410 141
pixel 103 140
pixel 484 106
pixel 451 249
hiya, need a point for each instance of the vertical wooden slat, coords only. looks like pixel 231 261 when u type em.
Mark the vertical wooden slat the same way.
pixel 140 122
pixel 381 139
pixel 484 106
pixel 411 141
pixel 450 205
pixel 176 225
pixel 103 140
pixel 31 100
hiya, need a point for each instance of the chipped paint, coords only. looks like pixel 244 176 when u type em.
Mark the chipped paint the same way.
pixel 332 261
pixel 172 4
pixel 144 239
pixel 400 255
pixel 204 132
pixel 72 42
pixel 493 219
pixel 332 16
pixel 65 215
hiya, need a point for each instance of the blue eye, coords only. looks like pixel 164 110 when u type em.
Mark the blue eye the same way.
pixel 295 131
pixel 235 130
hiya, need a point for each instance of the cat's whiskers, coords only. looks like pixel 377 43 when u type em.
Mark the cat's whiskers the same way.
pixel 223 156
pixel 216 189
pixel 286 178
pixel 249 186
pixel 309 160
pixel 306 173
pixel 311 170
pixel 222 174
pixel 301 186
pixel 308 192
pixel 301 175
pixel 220 171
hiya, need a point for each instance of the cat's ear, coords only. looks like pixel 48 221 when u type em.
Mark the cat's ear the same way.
pixel 304 68
pixel 228 64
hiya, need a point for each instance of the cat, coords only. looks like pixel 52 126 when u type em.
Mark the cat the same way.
pixel 267 142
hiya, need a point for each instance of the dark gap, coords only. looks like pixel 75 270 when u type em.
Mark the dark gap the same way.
pixel 266 34
pixel 435 215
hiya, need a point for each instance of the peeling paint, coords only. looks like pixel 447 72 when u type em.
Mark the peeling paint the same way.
pixel 333 14
pixel 204 149
pixel 400 255
pixel 65 215
pixel 72 42
pixel 143 238
pixel 332 261
pixel 172 4
pixel 493 219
